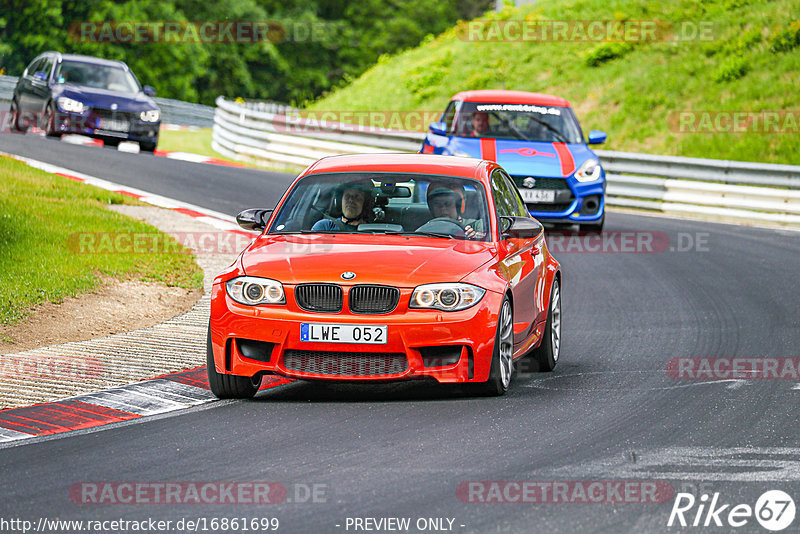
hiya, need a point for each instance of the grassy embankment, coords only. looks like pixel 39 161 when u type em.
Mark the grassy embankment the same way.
pixel 39 260
pixel 748 60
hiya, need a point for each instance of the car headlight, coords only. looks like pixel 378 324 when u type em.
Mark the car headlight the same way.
pixel 446 297
pixel 252 291
pixel 71 105
pixel 589 171
pixel 150 116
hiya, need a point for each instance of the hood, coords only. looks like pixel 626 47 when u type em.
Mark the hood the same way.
pixel 101 98
pixel 375 259
pixel 517 157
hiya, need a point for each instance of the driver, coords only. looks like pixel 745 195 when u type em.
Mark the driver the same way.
pixel 479 123
pixel 355 199
pixel 447 201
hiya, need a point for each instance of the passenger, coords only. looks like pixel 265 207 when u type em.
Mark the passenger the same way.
pixel 355 199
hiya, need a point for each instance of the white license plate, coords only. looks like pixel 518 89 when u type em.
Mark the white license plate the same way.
pixel 114 125
pixel 538 195
pixel 343 333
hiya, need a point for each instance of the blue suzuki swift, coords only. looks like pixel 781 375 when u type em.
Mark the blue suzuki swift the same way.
pixel 538 140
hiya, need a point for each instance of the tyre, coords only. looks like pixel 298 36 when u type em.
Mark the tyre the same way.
pixel 49 121
pixel 595 227
pixel 547 353
pixel 503 354
pixel 147 147
pixel 228 386
pixel 15 116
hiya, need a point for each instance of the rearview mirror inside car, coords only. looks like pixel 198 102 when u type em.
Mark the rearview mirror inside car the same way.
pixel 390 190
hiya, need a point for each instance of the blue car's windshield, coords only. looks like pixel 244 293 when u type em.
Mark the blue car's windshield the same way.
pixel 97 76
pixel 386 203
pixel 524 122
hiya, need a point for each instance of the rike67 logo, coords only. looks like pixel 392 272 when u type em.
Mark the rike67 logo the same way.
pixel 774 510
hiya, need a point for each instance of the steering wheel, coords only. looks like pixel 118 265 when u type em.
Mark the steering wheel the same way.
pixel 439 225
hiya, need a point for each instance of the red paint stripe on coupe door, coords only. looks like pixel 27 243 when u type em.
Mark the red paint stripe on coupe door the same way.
pixel 489 149
pixel 565 156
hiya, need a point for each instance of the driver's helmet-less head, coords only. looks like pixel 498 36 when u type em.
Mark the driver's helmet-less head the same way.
pixel 439 190
pixel 365 186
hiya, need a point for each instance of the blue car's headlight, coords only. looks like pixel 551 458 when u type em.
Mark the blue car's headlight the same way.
pixel 150 116
pixel 71 105
pixel 251 290
pixel 589 171
pixel 446 297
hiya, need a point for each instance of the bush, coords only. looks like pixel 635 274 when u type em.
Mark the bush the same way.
pixel 785 40
pixel 731 69
pixel 606 52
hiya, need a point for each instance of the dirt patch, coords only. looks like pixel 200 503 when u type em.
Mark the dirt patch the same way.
pixel 114 307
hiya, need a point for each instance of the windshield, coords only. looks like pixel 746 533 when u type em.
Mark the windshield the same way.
pixel 524 122
pixel 97 76
pixel 385 203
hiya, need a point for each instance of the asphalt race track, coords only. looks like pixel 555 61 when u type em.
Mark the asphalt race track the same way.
pixel 610 412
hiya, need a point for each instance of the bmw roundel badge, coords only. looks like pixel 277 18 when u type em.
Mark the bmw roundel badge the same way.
pixel 348 275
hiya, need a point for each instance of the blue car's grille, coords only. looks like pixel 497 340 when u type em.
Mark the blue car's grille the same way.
pixel 114 115
pixel 543 183
pixel 548 207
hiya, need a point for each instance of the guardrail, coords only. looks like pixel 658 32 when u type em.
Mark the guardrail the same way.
pixel 172 111
pixel 741 191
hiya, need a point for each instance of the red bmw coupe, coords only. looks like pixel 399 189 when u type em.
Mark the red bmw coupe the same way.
pixel 388 267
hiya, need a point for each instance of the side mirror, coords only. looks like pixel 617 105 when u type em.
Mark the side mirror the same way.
pixel 438 128
pixel 520 227
pixel 149 90
pixel 596 137
pixel 40 76
pixel 253 219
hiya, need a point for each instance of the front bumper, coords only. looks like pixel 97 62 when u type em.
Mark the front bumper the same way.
pixel 89 125
pixel 413 337
pixel 586 205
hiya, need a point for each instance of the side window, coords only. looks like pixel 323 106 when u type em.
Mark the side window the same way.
pixel 502 202
pixel 47 66
pixel 449 115
pixel 516 197
pixel 34 67
pixel 506 197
